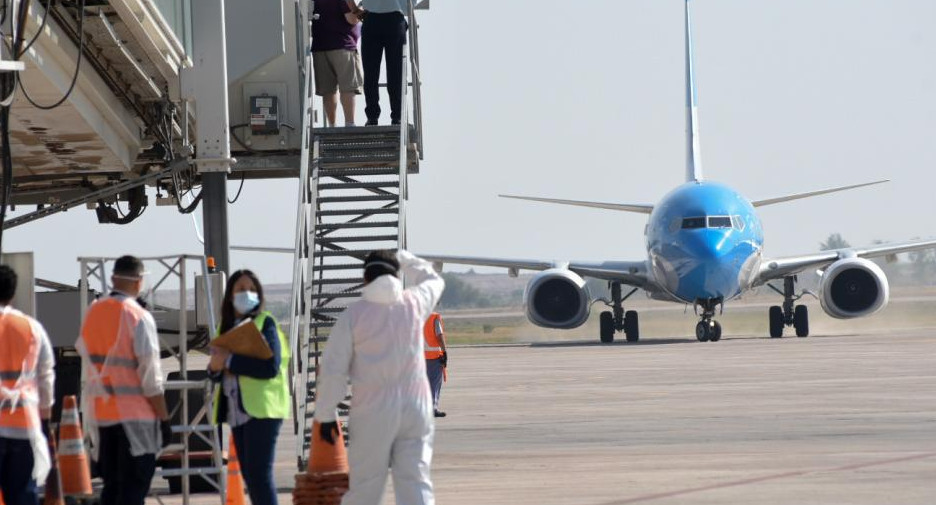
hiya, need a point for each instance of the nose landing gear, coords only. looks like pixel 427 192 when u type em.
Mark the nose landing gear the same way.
pixel 708 329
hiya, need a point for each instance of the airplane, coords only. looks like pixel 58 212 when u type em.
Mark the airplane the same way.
pixel 704 247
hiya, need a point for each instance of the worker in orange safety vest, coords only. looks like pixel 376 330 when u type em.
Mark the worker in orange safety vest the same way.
pixel 27 379
pixel 436 358
pixel 124 410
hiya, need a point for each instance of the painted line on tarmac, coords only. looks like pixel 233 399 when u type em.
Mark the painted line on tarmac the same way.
pixel 785 475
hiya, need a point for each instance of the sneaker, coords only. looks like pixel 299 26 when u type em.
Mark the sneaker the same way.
pixel 439 413
pixel 371 122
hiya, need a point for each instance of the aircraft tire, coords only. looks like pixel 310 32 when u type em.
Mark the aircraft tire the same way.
pixel 715 332
pixel 606 320
pixel 702 332
pixel 776 321
pixel 801 321
pixel 631 326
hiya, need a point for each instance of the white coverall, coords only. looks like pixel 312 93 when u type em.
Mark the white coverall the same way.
pixel 378 342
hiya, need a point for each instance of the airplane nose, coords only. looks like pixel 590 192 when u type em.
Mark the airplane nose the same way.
pixel 708 244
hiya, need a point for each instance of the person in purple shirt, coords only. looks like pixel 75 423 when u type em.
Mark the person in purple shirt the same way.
pixel 335 59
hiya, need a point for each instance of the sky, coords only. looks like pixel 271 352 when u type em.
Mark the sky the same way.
pixel 585 100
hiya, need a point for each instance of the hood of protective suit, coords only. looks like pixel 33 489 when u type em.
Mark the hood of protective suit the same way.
pixel 385 290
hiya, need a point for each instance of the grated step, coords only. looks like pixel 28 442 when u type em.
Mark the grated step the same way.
pixel 357 212
pixel 339 280
pixel 341 266
pixel 363 198
pixel 328 310
pixel 360 224
pixel 353 253
pixel 358 185
pixel 357 171
pixel 335 295
pixel 369 238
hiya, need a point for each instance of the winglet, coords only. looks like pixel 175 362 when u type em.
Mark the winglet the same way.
pixel 638 208
pixel 797 196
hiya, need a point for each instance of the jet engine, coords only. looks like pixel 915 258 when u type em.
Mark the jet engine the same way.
pixel 557 298
pixel 853 287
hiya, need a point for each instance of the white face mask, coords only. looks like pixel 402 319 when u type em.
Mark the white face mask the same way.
pixel 246 301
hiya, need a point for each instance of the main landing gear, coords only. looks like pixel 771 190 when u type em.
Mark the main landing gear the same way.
pixel 789 314
pixel 708 329
pixel 617 320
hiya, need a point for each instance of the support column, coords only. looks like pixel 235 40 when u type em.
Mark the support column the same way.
pixel 212 140
pixel 214 217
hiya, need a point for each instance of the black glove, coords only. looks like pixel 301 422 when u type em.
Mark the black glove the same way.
pixel 329 431
pixel 47 430
pixel 444 358
pixel 165 427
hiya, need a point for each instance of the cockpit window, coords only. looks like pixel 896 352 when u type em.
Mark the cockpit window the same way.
pixel 691 223
pixel 719 222
pixel 739 222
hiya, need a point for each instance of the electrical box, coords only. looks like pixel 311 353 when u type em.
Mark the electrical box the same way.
pixel 264 115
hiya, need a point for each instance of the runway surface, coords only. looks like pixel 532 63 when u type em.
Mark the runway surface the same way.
pixel 846 419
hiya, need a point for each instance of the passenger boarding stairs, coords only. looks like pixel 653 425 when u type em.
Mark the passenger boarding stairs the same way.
pixel 352 200
pixel 355 204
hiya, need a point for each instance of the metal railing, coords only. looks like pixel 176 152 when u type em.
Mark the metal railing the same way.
pixel 417 78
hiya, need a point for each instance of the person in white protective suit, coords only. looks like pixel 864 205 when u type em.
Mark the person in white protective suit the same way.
pixel 378 343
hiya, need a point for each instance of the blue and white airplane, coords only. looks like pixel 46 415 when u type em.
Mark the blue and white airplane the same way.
pixel 705 247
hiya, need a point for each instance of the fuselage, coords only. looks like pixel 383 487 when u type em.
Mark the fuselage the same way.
pixel 704 242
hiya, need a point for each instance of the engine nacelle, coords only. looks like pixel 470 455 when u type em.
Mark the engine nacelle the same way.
pixel 557 298
pixel 853 287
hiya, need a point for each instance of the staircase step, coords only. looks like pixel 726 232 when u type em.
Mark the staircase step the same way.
pixel 336 295
pixel 353 253
pixel 357 171
pixel 328 310
pixel 362 198
pixel 359 224
pixel 339 280
pixel 367 238
pixel 341 266
pixel 357 212
pixel 358 185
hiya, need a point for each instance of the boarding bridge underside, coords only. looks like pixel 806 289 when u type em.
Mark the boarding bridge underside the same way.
pixel 116 109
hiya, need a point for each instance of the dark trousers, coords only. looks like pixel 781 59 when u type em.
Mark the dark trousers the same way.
pixel 256 446
pixel 436 377
pixel 383 33
pixel 16 466
pixel 126 477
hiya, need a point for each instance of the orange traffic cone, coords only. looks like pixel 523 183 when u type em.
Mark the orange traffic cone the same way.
pixel 327 478
pixel 235 483
pixel 53 484
pixel 72 458
pixel 326 457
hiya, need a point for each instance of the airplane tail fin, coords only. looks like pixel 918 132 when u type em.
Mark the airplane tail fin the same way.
pixel 638 208
pixel 797 196
pixel 693 155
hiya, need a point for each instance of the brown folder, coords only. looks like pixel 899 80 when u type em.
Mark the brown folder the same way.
pixel 246 340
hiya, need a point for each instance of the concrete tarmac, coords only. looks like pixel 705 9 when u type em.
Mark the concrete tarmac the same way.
pixel 846 419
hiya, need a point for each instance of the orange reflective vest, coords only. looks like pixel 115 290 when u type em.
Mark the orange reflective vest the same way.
pixel 108 334
pixel 433 339
pixel 19 353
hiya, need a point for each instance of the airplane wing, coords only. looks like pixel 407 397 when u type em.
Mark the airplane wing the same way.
pixel 777 268
pixel 632 273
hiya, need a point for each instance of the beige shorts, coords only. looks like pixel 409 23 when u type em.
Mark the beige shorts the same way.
pixel 338 70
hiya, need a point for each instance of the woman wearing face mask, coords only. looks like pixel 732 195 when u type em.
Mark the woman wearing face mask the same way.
pixel 255 397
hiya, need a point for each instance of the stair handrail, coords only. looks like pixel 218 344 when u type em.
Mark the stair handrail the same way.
pixel 417 78
pixel 299 327
pixel 404 151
